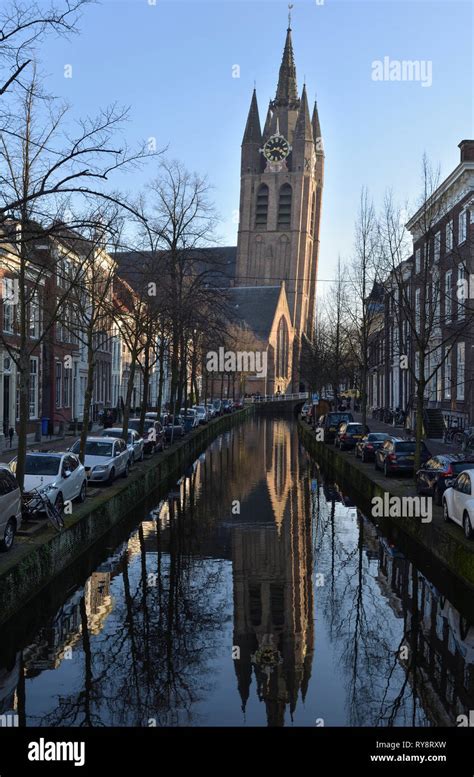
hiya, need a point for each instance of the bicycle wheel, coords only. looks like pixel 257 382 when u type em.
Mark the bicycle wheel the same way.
pixel 458 438
pixel 54 516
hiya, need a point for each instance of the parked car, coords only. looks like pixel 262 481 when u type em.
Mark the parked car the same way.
pixel 398 455
pixel 59 476
pixel 439 473
pixel 173 431
pixel 348 435
pixel 365 448
pixel 135 443
pixel 10 508
pixel 238 404
pixel 105 459
pixel 211 410
pixel 218 406
pixel 458 503
pixel 330 424
pixel 202 414
pixel 190 419
pixel 227 406
pixel 153 434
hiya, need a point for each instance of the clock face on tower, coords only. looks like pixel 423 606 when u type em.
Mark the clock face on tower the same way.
pixel 276 149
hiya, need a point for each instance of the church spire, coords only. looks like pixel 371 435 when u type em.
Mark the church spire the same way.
pixel 253 133
pixel 287 90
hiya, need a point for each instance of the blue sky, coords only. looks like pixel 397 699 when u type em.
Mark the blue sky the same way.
pixel 172 64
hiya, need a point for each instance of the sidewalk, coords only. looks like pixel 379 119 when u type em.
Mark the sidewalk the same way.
pixel 47 443
pixel 436 447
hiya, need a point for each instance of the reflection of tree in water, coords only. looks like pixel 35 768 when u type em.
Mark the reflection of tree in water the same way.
pixel 380 691
pixel 151 658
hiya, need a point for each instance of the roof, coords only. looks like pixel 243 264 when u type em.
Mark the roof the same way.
pixel 255 307
pixel 218 263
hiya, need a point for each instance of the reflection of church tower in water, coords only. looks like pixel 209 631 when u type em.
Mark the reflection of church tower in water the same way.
pixel 272 573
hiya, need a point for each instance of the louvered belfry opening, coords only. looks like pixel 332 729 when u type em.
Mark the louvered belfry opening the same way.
pixel 284 207
pixel 261 214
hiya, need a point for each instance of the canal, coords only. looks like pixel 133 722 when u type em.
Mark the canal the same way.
pixel 253 593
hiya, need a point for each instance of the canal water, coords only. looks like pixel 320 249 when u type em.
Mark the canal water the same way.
pixel 254 593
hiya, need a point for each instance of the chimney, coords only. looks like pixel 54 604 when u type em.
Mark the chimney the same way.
pixel 467 150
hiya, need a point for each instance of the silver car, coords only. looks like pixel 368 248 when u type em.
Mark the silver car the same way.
pixel 105 458
pixel 135 443
pixel 10 508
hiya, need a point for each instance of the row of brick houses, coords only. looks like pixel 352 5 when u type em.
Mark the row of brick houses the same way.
pixel 58 359
pixel 436 284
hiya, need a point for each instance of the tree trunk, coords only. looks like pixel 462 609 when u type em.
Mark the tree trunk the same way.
pixel 128 396
pixel 87 397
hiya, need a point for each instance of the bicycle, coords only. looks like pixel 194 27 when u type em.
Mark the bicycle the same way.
pixel 454 434
pixel 35 502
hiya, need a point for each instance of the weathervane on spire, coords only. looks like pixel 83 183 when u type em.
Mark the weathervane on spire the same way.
pixel 290 6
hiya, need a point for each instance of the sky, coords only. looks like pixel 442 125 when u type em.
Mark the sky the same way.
pixel 173 63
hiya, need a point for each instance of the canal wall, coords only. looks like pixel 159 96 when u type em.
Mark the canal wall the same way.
pixel 35 561
pixel 445 542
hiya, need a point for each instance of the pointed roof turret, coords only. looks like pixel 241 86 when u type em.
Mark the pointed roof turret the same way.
pixel 253 132
pixel 316 127
pixel 303 128
pixel 287 90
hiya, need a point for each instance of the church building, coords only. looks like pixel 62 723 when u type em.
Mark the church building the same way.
pixel 282 173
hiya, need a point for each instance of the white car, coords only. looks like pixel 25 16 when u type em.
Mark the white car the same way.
pixel 458 502
pixel 135 443
pixel 105 459
pixel 10 508
pixel 59 476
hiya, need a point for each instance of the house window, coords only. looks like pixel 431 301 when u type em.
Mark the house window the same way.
pixel 417 309
pixel 261 212
pixel 449 235
pixel 462 226
pixel 447 376
pixel 418 260
pixel 34 387
pixel 461 292
pixel 427 254
pixel 284 207
pixel 448 291
pixel 34 316
pixel 10 299
pixel 437 246
pixel 59 382
pixel 67 388
pixel 461 373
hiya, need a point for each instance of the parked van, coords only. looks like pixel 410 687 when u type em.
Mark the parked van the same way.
pixel 10 508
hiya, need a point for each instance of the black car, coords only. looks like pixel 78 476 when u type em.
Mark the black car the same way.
pixel 398 455
pixel 227 406
pixel 439 473
pixel 365 448
pixel 349 434
pixel 330 424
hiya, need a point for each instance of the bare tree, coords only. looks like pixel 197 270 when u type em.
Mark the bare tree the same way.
pixel 362 274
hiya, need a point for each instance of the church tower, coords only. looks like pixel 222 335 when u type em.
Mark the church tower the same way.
pixel 282 170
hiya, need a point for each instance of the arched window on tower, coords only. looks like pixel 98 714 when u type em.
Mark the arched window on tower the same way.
pixel 261 210
pixel 282 349
pixel 313 210
pixel 284 207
